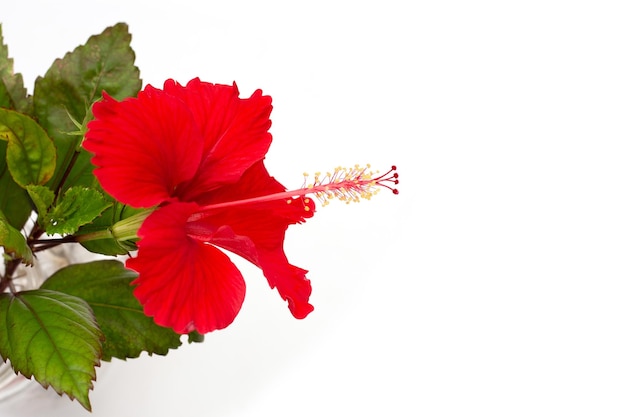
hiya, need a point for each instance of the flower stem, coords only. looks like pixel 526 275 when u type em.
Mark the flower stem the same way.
pixel 125 229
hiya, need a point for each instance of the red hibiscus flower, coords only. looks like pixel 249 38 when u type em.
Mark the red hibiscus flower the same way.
pixel 196 153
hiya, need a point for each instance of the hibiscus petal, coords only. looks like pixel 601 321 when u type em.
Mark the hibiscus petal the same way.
pixel 256 232
pixel 143 147
pixel 183 283
pixel 235 132
pixel 289 280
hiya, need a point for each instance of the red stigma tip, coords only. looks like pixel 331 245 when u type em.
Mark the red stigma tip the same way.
pixel 390 176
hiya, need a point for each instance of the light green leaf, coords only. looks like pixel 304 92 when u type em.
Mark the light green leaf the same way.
pixel 31 155
pixel 53 337
pixel 78 206
pixel 74 83
pixel 14 242
pixel 105 285
pixel 13 95
pixel 42 197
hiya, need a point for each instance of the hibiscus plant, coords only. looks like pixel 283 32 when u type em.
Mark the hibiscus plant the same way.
pixel 163 178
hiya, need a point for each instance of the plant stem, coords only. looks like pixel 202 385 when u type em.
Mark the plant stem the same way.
pixel 37 245
pixel 10 268
pixel 66 174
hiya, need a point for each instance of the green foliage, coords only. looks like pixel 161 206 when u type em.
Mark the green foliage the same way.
pixel 105 285
pixel 14 242
pixel 53 337
pixel 103 224
pixel 74 83
pixel 14 201
pixel 13 95
pixel 30 154
pixel 84 313
pixel 42 198
pixel 79 206
pixel 195 337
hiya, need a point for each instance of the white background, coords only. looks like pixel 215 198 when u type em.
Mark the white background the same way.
pixel 493 285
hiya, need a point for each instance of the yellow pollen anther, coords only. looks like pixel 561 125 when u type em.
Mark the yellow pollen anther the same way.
pixel 351 184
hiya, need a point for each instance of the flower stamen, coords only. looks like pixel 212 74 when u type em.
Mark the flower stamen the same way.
pixel 351 184
pixel 345 184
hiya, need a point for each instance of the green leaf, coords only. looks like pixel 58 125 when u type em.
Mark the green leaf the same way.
pixel 53 337
pixel 74 83
pixel 105 285
pixel 81 173
pixel 14 201
pixel 78 206
pixel 13 95
pixel 5 97
pixel 31 154
pixel 14 242
pixel 103 224
pixel 42 197
pixel 195 337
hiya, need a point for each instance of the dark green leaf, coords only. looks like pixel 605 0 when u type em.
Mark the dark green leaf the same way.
pixel 31 154
pixel 14 242
pixel 14 201
pixel 74 83
pixel 105 285
pixel 5 97
pixel 78 206
pixel 53 337
pixel 195 337
pixel 13 95
pixel 81 173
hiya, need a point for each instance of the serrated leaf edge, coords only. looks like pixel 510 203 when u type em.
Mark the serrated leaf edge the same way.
pixel 86 404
